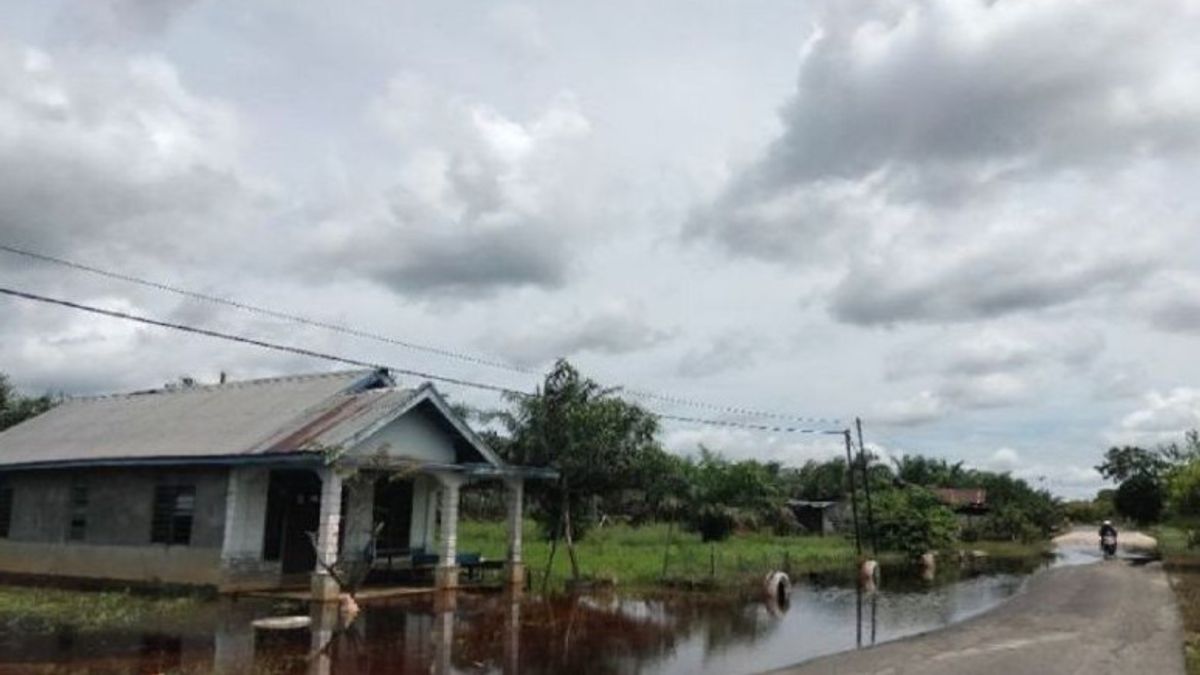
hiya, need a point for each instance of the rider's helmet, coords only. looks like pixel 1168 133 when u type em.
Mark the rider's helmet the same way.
pixel 1108 522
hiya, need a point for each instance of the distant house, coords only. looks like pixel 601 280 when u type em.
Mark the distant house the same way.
pixel 968 503
pixel 221 485
pixel 819 517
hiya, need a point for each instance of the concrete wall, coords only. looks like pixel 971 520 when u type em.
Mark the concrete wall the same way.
pixel 415 436
pixel 116 544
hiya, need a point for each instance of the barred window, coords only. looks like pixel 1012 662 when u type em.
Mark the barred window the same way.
pixel 173 509
pixel 6 505
pixel 77 531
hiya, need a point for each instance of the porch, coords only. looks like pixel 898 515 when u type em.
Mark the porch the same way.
pixel 393 527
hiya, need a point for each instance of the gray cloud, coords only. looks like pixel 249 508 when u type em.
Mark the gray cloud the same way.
pixel 943 157
pixel 726 352
pixel 478 205
pixel 115 22
pixel 112 156
pixel 611 328
pixel 980 369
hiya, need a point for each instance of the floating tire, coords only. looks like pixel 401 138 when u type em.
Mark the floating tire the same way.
pixel 778 587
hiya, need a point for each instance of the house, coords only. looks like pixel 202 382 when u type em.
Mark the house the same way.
pixel 223 485
pixel 969 504
pixel 819 517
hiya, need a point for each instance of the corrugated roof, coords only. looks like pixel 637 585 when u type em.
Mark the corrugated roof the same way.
pixel 283 414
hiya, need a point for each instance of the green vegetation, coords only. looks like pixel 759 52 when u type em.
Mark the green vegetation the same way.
pixel 914 521
pixel 15 408
pixel 43 608
pixel 1177 545
pixel 633 556
pixel 1155 484
pixel 613 469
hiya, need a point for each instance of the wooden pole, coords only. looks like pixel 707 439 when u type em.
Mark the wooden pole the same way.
pixel 853 495
pixel 862 456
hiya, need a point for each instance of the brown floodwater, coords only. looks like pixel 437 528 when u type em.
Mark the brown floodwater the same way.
pixel 664 633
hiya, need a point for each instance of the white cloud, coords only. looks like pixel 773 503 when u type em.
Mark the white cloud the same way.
pixel 923 408
pixel 738 444
pixel 955 150
pixel 1163 418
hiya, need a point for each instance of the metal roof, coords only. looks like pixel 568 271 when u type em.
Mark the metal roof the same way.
pixel 251 420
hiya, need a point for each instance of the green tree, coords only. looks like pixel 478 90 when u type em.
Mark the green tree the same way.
pixel 1183 490
pixel 15 408
pixel 597 442
pixel 723 496
pixel 1141 498
pixel 1121 464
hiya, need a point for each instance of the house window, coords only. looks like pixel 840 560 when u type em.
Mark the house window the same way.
pixel 6 502
pixel 173 509
pixel 77 531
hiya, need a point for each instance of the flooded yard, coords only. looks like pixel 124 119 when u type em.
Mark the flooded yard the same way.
pixel 663 633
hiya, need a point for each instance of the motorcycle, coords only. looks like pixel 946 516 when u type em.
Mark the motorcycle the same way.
pixel 1108 545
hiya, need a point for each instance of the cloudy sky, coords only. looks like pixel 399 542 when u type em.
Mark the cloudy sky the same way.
pixel 974 224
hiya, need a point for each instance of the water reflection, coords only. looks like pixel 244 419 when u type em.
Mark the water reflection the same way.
pixel 504 633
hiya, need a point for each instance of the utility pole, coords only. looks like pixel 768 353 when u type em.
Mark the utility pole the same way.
pixel 853 495
pixel 862 455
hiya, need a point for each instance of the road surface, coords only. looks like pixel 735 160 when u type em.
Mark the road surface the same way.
pixel 1106 617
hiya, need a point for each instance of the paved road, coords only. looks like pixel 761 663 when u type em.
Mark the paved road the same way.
pixel 1106 617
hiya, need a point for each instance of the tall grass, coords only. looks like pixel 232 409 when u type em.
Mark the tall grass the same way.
pixel 635 555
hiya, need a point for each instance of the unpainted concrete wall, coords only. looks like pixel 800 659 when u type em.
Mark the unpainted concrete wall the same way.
pixel 116 543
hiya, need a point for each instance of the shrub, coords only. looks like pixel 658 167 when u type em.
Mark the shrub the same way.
pixel 912 520
pixel 1183 490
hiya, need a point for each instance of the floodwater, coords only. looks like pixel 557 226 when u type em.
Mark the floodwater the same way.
pixel 499 633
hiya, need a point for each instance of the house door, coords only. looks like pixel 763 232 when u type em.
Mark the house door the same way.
pixel 393 508
pixel 293 511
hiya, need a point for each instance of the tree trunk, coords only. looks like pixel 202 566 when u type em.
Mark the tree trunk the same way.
pixel 553 550
pixel 567 534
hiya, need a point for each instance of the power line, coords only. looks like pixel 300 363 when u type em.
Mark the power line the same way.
pixel 254 309
pixel 304 351
pixel 378 337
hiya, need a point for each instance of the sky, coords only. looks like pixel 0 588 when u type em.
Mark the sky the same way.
pixel 972 224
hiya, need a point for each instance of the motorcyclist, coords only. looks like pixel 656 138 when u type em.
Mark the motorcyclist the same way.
pixel 1107 529
pixel 1108 539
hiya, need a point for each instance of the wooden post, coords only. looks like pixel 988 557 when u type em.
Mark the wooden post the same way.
pixel 853 496
pixel 862 455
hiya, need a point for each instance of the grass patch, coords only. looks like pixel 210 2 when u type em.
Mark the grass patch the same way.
pixel 1183 571
pixel 31 608
pixel 633 556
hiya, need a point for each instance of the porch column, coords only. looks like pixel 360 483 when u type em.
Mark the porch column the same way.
pixel 242 564
pixel 446 574
pixel 360 518
pixel 514 565
pixel 324 586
